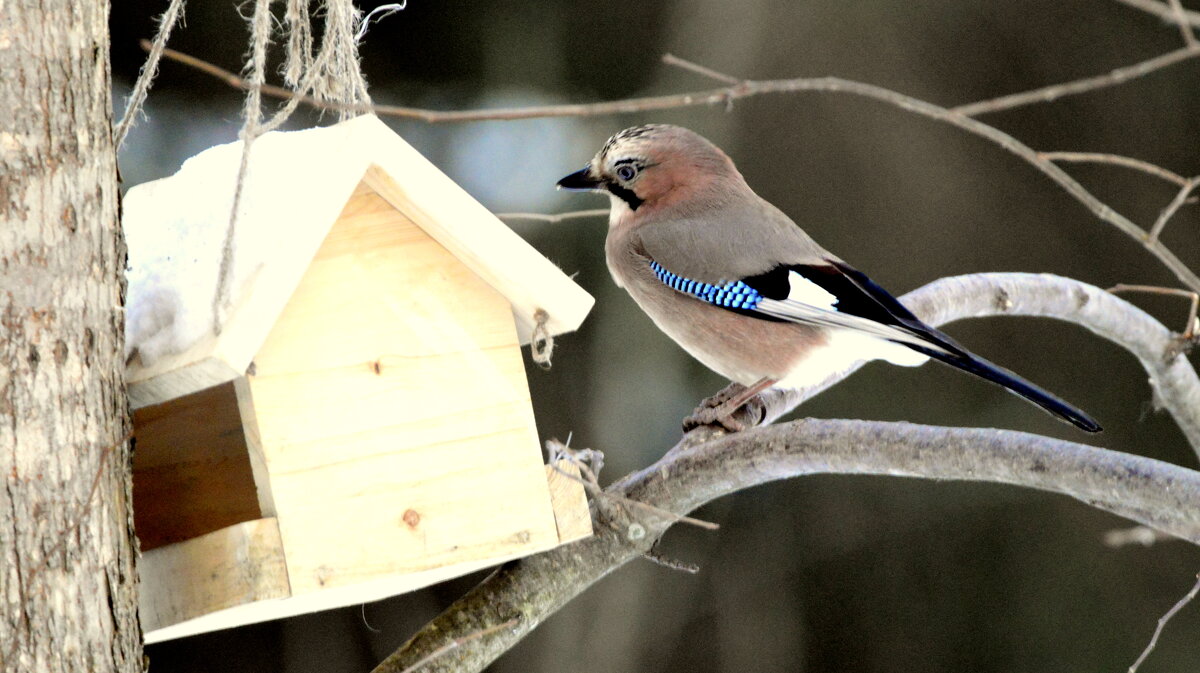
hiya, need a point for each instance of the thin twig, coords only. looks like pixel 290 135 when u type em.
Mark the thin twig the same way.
pixel 1175 204
pixel 1162 621
pixel 555 218
pixel 1189 332
pixel 738 88
pixel 748 88
pixel 459 642
pixel 1162 11
pixel 1185 28
pixel 1117 160
pixel 1056 91
pixel 673 60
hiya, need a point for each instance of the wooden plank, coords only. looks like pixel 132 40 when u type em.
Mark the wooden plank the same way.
pixel 327 599
pixel 234 566
pixel 254 450
pixel 569 500
pixel 415 187
pixel 393 413
pixel 191 473
pixel 179 375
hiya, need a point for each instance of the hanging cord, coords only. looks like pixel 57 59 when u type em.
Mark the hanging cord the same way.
pixel 332 74
pixel 260 33
pixel 133 107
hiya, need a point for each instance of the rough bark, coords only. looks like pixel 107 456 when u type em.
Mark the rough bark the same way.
pixel 67 575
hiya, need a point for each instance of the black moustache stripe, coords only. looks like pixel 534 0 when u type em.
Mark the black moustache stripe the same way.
pixel 623 193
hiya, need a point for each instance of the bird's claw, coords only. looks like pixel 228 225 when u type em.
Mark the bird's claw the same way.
pixel 717 412
pixel 713 418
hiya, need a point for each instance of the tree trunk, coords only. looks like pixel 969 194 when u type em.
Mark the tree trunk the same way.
pixel 68 597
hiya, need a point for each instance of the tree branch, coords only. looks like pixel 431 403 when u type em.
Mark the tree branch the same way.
pixel 706 465
pixel 1162 622
pixel 1181 19
pixel 1172 207
pixel 747 88
pixel 1055 91
pixel 1154 493
pixel 1117 160
pixel 556 218
pixel 1173 382
pixel 1162 11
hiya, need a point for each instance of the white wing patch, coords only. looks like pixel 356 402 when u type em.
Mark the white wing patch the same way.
pixel 845 348
pixel 803 290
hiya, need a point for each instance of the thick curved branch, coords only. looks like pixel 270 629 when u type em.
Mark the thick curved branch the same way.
pixel 705 466
pixel 1151 492
pixel 1173 382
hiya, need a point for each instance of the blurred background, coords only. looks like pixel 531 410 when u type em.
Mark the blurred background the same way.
pixel 826 573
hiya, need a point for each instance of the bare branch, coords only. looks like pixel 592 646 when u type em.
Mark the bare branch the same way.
pixel 1155 493
pixel 1185 28
pixel 1171 209
pixel 738 88
pixel 1117 160
pixel 1056 91
pixel 706 465
pixel 1163 622
pixel 1172 378
pixel 556 218
pixel 1162 11
pixel 1191 327
pixel 747 88
pixel 673 60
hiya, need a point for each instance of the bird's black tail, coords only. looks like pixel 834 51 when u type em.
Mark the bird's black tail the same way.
pixel 1017 385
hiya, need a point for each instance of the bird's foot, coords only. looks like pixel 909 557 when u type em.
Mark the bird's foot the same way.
pixel 732 409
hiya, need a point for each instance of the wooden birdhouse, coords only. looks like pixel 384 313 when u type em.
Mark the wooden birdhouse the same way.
pixel 345 416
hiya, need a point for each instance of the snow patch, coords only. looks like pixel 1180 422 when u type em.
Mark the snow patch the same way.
pixel 297 184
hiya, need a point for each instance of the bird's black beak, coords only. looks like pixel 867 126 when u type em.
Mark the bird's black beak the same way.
pixel 580 181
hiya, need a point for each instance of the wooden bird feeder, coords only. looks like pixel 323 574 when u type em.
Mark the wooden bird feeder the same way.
pixel 360 425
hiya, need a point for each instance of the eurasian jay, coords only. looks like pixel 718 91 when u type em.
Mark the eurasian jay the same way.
pixel 744 290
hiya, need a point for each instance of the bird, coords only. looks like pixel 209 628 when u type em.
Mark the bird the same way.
pixel 742 288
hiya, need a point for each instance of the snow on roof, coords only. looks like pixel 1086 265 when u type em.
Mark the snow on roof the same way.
pixel 296 186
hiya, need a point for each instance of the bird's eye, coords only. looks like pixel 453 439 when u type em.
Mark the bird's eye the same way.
pixel 626 172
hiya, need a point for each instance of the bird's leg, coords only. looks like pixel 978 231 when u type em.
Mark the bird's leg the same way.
pixel 721 408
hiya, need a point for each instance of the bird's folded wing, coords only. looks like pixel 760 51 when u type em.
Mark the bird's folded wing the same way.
pixel 832 294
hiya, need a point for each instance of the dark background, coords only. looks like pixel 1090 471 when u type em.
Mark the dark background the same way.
pixel 824 573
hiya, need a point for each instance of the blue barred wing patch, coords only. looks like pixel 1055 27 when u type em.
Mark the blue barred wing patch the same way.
pixel 733 294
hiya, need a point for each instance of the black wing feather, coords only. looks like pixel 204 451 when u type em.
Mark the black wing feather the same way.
pixel 860 296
